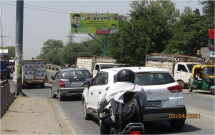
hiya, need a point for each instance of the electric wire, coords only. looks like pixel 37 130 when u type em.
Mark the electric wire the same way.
pixel 45 7
pixel 36 9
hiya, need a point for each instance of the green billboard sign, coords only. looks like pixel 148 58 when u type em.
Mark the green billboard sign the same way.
pixel 94 23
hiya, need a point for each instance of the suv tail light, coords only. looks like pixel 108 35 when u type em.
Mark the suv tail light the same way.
pixel 175 89
pixel 135 133
pixel 61 84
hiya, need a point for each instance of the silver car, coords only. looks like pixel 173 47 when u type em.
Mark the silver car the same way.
pixel 68 82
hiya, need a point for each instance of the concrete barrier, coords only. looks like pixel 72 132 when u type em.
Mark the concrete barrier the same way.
pixel 6 98
pixel 53 67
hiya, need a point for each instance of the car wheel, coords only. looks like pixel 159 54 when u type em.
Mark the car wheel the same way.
pixel 42 85
pixel 52 93
pixel 181 83
pixel 177 124
pixel 8 76
pixel 190 88
pixel 87 116
pixel 23 86
pixel 60 97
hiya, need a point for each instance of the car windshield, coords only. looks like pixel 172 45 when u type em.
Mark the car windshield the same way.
pixel 153 78
pixel 209 71
pixel 190 67
pixel 76 74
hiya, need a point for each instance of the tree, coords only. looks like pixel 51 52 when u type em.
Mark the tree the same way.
pixel 190 34
pixel 54 57
pixel 50 45
pixel 208 9
pixel 148 30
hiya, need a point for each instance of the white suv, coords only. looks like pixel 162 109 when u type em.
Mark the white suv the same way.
pixel 164 95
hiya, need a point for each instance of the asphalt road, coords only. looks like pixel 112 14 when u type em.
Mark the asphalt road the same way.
pixel 196 102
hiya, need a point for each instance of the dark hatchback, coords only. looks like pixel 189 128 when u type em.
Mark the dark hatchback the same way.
pixel 68 82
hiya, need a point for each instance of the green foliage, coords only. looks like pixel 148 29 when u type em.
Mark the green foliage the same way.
pixel 51 45
pixel 208 9
pixel 54 57
pixel 74 50
pixel 56 53
pixel 191 33
pixel 153 26
pixel 148 31
pixel 129 45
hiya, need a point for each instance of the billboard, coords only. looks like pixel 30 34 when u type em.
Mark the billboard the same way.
pixel 94 23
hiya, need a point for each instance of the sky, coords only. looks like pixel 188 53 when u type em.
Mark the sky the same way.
pixel 50 19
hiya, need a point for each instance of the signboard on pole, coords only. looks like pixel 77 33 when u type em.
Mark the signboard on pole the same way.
pixel 94 23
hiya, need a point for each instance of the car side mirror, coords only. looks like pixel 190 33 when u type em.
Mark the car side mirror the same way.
pixel 90 83
pixel 53 78
pixel 86 83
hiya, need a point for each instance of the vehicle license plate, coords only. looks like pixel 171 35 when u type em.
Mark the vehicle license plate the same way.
pixel 77 82
pixel 154 103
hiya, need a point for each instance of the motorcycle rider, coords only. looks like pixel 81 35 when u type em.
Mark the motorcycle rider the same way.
pixel 125 83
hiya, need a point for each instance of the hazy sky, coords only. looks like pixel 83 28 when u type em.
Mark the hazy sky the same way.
pixel 50 19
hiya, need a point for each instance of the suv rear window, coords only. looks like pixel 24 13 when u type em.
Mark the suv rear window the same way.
pixel 153 78
pixel 74 74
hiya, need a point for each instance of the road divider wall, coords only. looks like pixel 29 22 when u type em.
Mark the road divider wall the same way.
pixel 53 67
pixel 7 97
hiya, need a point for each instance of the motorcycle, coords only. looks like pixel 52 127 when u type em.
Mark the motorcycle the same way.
pixel 130 128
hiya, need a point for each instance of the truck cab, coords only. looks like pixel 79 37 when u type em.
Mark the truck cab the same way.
pixel 182 72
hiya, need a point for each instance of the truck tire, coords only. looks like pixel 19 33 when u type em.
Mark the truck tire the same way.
pixel 42 85
pixel 212 91
pixel 23 86
pixel 60 97
pixel 8 76
pixel 52 94
pixel 190 88
pixel 181 83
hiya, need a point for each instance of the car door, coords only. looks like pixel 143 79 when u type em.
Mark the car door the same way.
pixel 182 73
pixel 55 83
pixel 91 91
pixel 99 88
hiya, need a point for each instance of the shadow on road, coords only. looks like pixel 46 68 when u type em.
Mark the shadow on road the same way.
pixel 72 98
pixel 29 87
pixel 163 127
pixel 204 92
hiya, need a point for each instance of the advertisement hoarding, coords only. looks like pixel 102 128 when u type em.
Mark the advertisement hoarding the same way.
pixel 94 23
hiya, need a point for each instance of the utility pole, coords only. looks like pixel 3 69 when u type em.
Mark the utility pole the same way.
pixel 18 47
pixel 2 43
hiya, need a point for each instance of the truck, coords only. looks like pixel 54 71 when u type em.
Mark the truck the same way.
pixel 5 71
pixel 95 64
pixel 34 72
pixel 180 66
pixel 4 55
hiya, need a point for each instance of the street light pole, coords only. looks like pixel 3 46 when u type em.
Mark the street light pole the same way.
pixel 18 47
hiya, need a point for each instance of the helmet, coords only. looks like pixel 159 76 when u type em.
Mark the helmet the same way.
pixel 125 75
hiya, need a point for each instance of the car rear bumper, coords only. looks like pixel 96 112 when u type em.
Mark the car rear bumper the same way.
pixel 152 114
pixel 71 91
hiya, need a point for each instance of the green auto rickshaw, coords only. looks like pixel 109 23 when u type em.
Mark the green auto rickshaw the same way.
pixel 203 77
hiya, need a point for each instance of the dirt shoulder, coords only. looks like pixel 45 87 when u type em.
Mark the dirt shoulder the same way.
pixel 34 116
